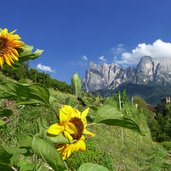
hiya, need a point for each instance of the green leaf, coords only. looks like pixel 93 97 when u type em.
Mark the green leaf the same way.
pixel 42 125
pixel 14 159
pixel 107 112
pixel 24 141
pixel 6 112
pixel 2 123
pixel 5 167
pixel 4 155
pixel 25 94
pixel 110 116
pixel 15 150
pixel 47 151
pixel 59 139
pixel 27 54
pixel 38 93
pixel 76 84
pixel 92 167
pixel 25 166
pixel 125 122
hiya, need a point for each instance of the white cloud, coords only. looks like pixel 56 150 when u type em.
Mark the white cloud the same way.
pixel 44 68
pixel 118 50
pixel 102 58
pixel 158 49
pixel 85 58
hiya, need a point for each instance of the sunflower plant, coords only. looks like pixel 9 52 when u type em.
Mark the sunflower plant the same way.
pixel 72 123
pixel 56 142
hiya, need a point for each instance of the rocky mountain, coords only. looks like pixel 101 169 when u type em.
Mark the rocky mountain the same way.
pixel 149 72
pixel 154 71
pixel 106 76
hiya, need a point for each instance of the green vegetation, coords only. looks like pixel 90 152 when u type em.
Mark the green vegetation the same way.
pixel 160 123
pixel 150 93
pixel 23 74
pixel 115 148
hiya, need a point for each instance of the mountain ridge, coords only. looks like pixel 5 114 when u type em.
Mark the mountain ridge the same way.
pixel 149 72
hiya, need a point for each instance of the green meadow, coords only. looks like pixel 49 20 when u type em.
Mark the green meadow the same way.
pixel 114 147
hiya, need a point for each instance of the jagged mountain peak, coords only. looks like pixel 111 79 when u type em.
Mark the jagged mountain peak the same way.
pixel 149 70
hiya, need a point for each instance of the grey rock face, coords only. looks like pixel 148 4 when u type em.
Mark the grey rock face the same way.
pixel 100 76
pixel 154 71
pixel 108 76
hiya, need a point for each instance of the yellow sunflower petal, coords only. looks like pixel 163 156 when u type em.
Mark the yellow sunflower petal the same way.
pixel 80 145
pixel 66 151
pixel 70 128
pixel 5 31
pixel 76 113
pixel 1 62
pixel 84 113
pixel 9 44
pixel 69 150
pixel 88 133
pixel 68 136
pixel 55 129
pixel 65 113
pixel 13 32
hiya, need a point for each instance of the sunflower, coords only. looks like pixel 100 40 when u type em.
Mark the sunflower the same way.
pixel 9 44
pixel 67 149
pixel 72 123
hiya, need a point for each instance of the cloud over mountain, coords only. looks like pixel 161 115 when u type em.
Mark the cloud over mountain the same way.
pixel 158 49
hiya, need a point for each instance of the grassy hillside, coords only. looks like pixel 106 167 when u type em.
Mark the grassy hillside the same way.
pixel 114 147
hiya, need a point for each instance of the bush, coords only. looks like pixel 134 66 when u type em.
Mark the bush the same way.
pixel 166 145
pixel 142 104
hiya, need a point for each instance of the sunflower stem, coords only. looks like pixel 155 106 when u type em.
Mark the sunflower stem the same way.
pixel 91 124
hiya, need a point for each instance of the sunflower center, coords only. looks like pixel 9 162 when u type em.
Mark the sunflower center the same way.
pixel 79 126
pixel 2 43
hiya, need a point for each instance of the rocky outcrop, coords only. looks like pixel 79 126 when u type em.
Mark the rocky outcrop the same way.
pixel 100 76
pixel 109 76
pixel 154 71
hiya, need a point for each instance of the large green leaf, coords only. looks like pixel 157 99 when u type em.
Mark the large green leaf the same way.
pixel 111 116
pixel 76 84
pixel 24 94
pixel 47 151
pixel 4 155
pixel 107 112
pixel 4 167
pixel 15 150
pixel 24 141
pixel 92 167
pixel 59 139
pixel 26 53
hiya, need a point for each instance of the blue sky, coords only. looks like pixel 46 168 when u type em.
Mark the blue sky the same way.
pixel 73 33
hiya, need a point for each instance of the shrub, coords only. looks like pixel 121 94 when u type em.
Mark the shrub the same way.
pixel 141 102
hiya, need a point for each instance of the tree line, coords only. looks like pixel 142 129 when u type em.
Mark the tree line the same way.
pixel 22 73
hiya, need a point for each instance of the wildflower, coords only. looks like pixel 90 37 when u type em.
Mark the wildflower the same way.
pixel 72 123
pixel 67 149
pixel 9 44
